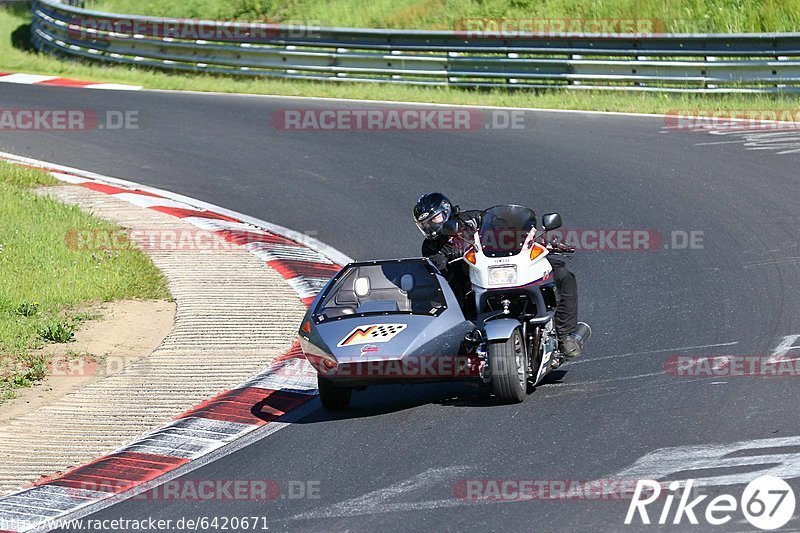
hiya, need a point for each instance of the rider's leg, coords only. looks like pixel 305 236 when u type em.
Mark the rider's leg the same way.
pixel 566 319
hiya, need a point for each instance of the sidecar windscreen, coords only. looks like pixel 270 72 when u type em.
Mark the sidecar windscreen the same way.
pixel 383 287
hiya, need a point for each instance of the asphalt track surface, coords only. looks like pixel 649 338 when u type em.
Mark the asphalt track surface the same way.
pixel 392 461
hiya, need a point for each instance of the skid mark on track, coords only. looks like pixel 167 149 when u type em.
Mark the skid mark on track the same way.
pixel 608 380
pixel 586 392
pixel 784 261
pixel 679 349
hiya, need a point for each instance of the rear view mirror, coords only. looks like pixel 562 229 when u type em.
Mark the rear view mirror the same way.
pixel 551 221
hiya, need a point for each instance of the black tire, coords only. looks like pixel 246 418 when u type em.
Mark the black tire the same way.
pixel 333 398
pixel 509 369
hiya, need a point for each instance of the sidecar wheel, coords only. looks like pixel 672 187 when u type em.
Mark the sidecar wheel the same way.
pixel 333 398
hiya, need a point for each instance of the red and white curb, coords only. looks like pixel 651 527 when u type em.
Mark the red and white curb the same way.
pixel 56 81
pixel 217 427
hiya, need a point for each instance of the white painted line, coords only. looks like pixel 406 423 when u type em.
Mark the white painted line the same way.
pixel 213 224
pixel 307 287
pixel 379 501
pixel 143 200
pixel 717 142
pixel 292 375
pixel 68 179
pixel 26 79
pixel 786 345
pixel 408 103
pixel 114 87
pixel 272 252
pixel 698 461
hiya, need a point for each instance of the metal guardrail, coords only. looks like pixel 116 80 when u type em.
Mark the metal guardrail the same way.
pixel 665 62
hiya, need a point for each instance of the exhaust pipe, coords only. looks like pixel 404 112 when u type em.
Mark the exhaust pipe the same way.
pixel 582 333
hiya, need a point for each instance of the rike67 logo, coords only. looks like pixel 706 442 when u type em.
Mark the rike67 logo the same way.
pixel 767 503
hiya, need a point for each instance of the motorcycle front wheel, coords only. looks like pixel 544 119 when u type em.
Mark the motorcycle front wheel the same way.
pixel 509 368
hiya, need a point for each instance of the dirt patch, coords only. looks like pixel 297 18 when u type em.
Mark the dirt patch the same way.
pixel 127 331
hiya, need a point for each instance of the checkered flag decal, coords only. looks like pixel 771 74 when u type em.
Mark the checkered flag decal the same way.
pixel 372 333
pixel 387 330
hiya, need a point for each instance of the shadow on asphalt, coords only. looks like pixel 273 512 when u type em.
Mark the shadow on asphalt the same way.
pixel 387 399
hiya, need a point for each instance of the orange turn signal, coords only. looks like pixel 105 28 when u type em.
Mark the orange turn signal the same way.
pixel 469 255
pixel 306 327
pixel 536 251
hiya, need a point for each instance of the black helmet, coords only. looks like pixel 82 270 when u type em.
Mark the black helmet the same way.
pixel 431 212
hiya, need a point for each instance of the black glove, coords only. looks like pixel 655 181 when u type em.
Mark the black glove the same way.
pixel 439 261
pixel 556 246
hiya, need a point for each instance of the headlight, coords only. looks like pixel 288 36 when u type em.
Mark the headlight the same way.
pixel 503 275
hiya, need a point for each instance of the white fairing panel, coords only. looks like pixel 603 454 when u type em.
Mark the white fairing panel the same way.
pixel 512 271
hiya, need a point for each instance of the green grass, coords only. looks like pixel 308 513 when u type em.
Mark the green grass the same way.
pixel 13 22
pixel 43 281
pixel 677 15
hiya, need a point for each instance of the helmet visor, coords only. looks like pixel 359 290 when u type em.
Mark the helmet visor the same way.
pixel 432 225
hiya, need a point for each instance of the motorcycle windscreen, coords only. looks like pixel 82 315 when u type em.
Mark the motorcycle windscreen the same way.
pixel 504 229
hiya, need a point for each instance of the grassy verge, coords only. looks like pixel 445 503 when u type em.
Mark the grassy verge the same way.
pixel 43 281
pixel 723 16
pixel 13 22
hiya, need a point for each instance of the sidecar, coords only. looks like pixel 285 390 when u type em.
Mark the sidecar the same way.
pixel 379 322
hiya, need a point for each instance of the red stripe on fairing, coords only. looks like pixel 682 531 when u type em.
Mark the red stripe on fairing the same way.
pixel 242 237
pixel 185 213
pixel 308 301
pixel 65 82
pixel 110 189
pixel 292 268
pixel 248 405
pixel 117 472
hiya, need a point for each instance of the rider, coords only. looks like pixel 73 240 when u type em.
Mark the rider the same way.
pixel 430 214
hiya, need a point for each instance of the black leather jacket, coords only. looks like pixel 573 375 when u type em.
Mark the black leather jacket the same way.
pixel 446 248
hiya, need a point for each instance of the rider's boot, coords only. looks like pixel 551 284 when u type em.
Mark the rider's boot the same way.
pixel 570 346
